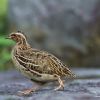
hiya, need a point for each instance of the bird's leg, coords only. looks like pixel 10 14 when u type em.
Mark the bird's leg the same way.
pixel 29 91
pixel 61 84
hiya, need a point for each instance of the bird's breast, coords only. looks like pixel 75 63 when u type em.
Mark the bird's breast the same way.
pixel 42 77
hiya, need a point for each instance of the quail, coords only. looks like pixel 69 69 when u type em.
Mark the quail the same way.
pixel 39 66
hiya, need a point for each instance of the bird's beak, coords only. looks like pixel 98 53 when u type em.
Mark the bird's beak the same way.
pixel 8 37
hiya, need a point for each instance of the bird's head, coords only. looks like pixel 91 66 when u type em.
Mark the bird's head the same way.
pixel 18 37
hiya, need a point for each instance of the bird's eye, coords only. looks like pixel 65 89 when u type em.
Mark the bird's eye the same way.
pixel 13 35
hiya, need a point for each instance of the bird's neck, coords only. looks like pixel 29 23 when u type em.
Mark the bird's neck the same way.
pixel 22 42
pixel 23 45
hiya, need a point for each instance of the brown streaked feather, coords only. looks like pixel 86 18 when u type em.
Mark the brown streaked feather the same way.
pixel 59 68
pixel 44 62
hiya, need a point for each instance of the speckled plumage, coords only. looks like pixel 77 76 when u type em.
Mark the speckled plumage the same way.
pixel 37 65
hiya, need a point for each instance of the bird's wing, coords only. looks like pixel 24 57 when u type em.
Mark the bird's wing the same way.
pixel 58 67
pixel 44 63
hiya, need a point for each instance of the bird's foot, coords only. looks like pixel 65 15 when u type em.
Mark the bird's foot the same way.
pixel 26 92
pixel 60 87
pixel 61 84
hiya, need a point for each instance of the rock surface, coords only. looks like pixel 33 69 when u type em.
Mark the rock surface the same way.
pixel 80 89
pixel 68 28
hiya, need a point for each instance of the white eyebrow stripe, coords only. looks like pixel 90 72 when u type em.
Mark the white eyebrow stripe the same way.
pixel 20 34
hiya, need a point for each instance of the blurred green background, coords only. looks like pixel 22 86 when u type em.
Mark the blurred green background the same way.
pixel 69 32
pixel 5 44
